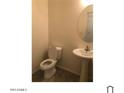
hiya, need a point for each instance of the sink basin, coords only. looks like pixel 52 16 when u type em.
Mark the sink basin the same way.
pixel 81 52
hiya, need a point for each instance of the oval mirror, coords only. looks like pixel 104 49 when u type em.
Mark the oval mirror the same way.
pixel 85 24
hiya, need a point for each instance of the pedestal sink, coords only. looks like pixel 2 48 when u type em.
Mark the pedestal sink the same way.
pixel 81 52
pixel 86 56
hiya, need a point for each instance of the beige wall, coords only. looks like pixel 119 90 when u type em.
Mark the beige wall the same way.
pixel 39 31
pixel 63 16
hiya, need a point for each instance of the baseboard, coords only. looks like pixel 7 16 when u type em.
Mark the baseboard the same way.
pixel 35 70
pixel 61 67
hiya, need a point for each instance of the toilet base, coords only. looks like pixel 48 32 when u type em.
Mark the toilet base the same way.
pixel 49 73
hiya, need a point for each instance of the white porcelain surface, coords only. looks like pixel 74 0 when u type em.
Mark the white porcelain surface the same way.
pixel 80 52
pixel 46 67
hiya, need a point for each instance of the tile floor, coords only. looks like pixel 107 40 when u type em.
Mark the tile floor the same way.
pixel 60 76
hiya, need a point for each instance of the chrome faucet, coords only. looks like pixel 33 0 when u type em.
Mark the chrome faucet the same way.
pixel 87 48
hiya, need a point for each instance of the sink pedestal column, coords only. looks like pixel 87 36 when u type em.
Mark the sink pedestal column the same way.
pixel 84 71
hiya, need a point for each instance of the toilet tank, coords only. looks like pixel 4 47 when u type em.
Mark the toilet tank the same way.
pixel 58 52
pixel 54 52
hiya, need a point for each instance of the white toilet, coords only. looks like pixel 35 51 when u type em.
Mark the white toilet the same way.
pixel 48 65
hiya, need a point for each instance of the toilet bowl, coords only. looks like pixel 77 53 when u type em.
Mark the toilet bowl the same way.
pixel 48 65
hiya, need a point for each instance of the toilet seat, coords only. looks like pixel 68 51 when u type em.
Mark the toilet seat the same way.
pixel 45 66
